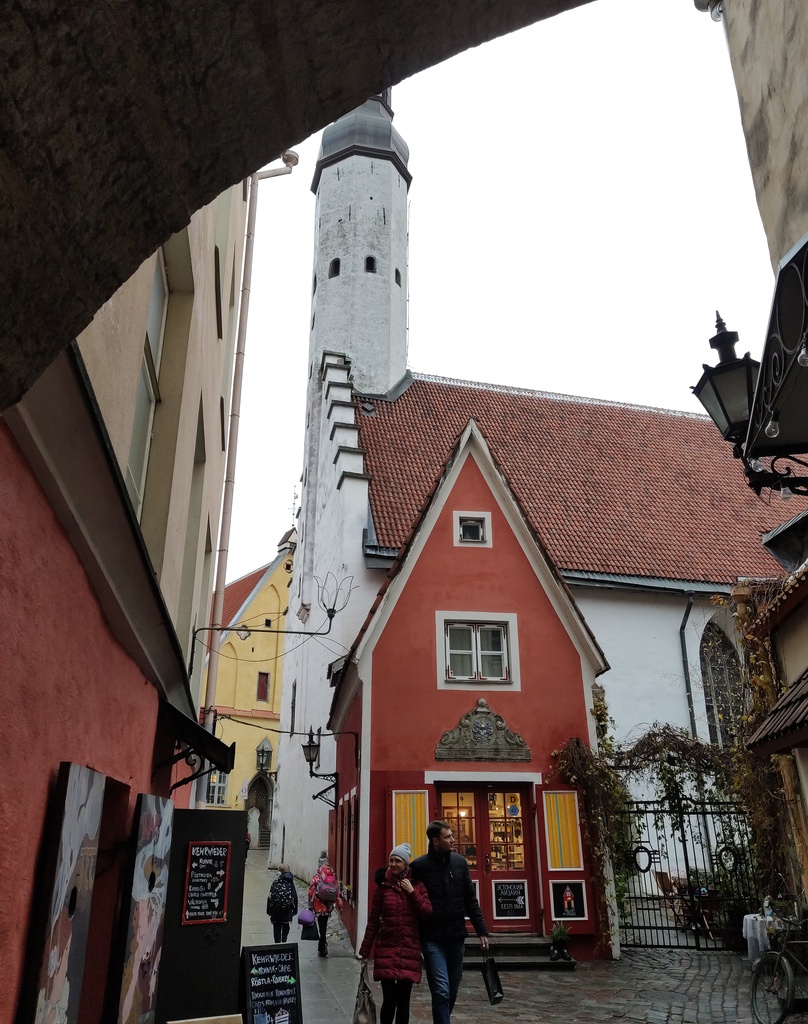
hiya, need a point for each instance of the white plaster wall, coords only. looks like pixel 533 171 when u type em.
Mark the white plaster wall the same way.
pixel 768 42
pixel 334 544
pixel 362 211
pixel 639 634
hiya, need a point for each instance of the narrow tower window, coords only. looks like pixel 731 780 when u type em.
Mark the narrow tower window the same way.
pixel 370 264
pixel 398 278
pixel 333 268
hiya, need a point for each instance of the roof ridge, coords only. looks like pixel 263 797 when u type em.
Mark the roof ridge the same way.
pixel 553 395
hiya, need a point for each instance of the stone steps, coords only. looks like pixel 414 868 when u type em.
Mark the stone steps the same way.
pixel 515 953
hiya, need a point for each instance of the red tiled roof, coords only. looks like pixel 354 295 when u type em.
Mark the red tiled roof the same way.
pixel 237 592
pixel 609 488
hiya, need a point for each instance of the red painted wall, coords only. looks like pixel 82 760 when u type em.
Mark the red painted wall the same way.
pixel 69 692
pixel 410 713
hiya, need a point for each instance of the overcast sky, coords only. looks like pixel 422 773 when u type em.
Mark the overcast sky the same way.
pixel 581 205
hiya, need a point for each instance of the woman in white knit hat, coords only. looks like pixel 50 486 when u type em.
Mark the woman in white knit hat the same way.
pixel 399 905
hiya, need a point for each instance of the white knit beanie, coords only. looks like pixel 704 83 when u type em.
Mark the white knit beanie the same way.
pixel 404 851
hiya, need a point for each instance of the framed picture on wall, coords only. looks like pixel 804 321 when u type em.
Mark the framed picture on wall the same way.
pixel 568 901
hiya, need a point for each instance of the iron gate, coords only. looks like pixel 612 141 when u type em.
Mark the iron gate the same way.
pixel 687 880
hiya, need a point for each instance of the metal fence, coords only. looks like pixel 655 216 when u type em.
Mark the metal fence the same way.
pixel 688 879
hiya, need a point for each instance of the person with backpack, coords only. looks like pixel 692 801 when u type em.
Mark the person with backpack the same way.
pixel 399 906
pixel 282 903
pixel 323 897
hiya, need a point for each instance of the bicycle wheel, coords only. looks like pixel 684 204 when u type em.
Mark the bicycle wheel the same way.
pixel 772 989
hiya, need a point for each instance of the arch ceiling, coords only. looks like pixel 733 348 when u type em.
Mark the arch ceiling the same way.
pixel 120 118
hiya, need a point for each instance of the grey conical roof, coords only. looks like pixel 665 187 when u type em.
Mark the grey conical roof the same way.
pixel 367 131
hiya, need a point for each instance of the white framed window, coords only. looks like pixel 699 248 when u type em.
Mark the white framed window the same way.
pixel 217 788
pixel 471 529
pixel 476 650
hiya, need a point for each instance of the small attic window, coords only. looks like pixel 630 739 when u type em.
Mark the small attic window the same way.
pixel 370 264
pixel 333 268
pixel 398 278
pixel 472 529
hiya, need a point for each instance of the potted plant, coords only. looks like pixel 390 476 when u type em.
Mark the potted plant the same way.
pixel 559 938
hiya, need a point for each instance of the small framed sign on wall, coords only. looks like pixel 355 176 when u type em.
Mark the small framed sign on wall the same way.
pixel 568 901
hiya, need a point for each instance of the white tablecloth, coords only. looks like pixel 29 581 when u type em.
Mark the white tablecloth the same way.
pixel 757 936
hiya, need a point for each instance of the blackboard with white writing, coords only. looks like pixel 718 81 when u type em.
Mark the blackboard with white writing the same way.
pixel 206 886
pixel 271 984
pixel 510 899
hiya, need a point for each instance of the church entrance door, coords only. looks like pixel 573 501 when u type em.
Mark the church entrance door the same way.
pixel 491 825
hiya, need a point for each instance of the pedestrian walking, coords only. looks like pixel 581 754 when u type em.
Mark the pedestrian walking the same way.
pixel 393 932
pixel 445 874
pixel 323 897
pixel 282 903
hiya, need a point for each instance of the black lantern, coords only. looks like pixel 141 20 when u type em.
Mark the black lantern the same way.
pixel 727 390
pixel 263 756
pixel 311 750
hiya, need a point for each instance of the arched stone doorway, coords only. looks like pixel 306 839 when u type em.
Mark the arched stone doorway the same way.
pixel 259 811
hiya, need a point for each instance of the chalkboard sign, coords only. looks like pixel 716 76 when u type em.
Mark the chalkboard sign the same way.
pixel 271 984
pixel 206 877
pixel 510 899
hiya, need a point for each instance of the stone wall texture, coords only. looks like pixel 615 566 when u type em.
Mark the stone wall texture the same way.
pixel 768 43
pixel 118 120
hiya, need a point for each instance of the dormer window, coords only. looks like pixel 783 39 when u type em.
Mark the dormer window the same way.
pixel 472 529
pixel 333 268
pixel 370 264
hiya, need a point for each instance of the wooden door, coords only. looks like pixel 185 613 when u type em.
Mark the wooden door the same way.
pixel 491 829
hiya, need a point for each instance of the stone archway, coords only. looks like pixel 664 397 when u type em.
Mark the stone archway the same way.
pixel 110 146
pixel 259 811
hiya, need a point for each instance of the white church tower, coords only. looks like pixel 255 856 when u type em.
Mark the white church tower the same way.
pixel 357 344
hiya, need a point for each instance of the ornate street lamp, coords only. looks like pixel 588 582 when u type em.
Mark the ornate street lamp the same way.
pixel 732 398
pixel 263 756
pixel 311 752
pixel 727 390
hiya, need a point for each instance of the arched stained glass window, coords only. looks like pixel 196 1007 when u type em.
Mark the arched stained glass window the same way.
pixel 721 677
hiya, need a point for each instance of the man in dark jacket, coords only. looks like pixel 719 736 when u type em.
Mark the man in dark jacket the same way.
pixel 451 892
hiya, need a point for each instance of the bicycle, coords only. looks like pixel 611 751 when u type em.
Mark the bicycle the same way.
pixel 774 977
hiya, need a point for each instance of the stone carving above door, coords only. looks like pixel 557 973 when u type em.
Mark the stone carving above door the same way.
pixel 482 735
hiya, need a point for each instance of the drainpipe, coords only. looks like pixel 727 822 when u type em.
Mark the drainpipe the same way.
pixel 290 159
pixel 686 667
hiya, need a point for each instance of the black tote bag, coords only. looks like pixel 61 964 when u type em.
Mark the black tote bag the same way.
pixel 493 985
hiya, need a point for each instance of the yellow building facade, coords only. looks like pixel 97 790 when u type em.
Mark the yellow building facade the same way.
pixel 248 689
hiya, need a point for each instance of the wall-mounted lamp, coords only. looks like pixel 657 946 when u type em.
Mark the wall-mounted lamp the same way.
pixel 731 396
pixel 311 751
pixel 263 756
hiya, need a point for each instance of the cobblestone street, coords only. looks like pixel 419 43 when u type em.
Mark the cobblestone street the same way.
pixel 644 987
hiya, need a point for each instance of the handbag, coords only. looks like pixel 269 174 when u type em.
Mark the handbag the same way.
pixel 310 931
pixel 365 1008
pixel 493 985
pixel 306 916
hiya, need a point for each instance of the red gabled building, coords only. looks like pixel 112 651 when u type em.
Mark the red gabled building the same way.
pixel 473 666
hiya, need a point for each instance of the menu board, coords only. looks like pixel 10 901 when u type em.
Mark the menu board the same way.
pixel 510 899
pixel 271 984
pixel 206 876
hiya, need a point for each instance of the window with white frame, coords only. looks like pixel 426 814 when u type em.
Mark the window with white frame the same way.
pixel 476 650
pixel 217 788
pixel 472 529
